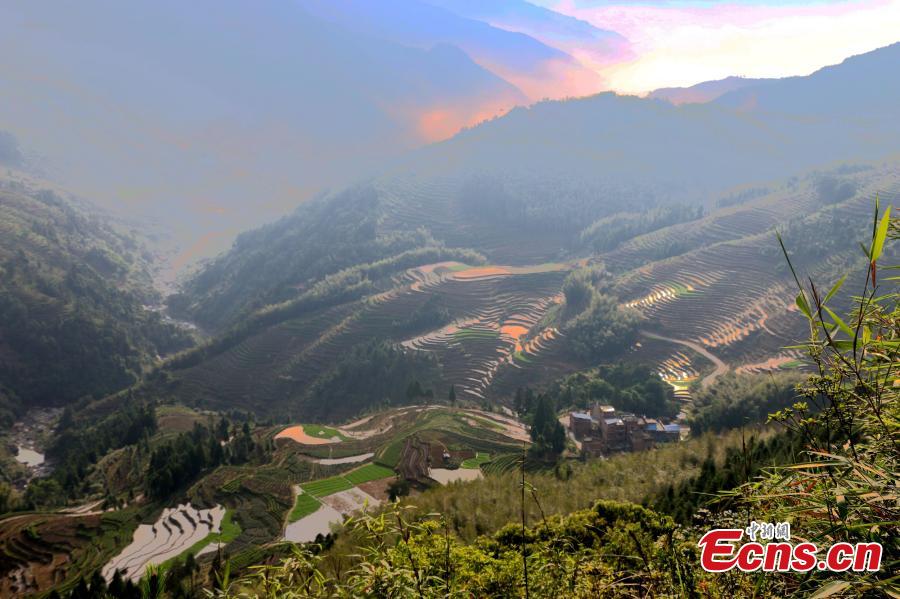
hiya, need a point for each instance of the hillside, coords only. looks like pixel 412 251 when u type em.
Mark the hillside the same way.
pixel 298 303
pixel 526 187
pixel 264 508
pixel 264 484
pixel 706 290
pixel 74 290
pixel 705 91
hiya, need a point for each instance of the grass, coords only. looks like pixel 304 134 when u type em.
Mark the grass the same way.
pixel 682 290
pixel 520 356
pixel 458 267
pixel 305 505
pixel 368 473
pixel 792 365
pixel 323 432
pixel 486 423
pixel 476 334
pixel 327 486
pixel 476 462
pixel 390 454
pixel 682 384
pixel 229 531
pixel 336 484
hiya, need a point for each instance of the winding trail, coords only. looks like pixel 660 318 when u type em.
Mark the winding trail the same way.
pixel 721 367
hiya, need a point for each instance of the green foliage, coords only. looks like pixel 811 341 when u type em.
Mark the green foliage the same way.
pixel 737 400
pixel 398 488
pixel 73 286
pixel 740 465
pixel 327 486
pixel 373 374
pixel 431 315
pixel 847 419
pixel 603 330
pixel 329 250
pixel 609 232
pixel 547 434
pixel 304 505
pixel 77 446
pixel 177 462
pixel 627 386
pixel 368 473
pixel 476 462
pixel 580 555
pixel 489 503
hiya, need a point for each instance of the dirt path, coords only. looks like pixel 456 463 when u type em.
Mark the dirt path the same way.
pixel 721 367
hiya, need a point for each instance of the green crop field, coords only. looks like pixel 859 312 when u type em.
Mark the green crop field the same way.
pixel 390 455
pixel 327 486
pixel 477 461
pixel 230 530
pixel 305 505
pixel 793 364
pixel 476 334
pixel 458 267
pixel 322 432
pixel 367 473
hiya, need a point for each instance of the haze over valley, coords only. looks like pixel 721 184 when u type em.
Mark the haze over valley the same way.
pixel 313 298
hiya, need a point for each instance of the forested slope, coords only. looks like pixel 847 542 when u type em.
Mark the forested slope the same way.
pixel 73 291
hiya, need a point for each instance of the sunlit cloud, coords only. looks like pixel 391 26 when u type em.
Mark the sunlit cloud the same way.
pixel 683 43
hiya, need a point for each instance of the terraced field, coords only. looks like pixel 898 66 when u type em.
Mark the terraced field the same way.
pixel 730 291
pixel 497 310
pixel 174 532
pixel 43 551
pixel 323 501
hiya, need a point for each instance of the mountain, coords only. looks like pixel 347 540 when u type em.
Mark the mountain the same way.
pixel 74 285
pixel 856 89
pixel 210 138
pixel 540 195
pixel 548 172
pixel 539 70
pixel 704 92
pixel 592 46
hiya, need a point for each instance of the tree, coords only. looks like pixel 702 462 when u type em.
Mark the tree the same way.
pixel 603 330
pixel 223 429
pixel 398 488
pixel 548 434
pixel 452 395
pixel 414 390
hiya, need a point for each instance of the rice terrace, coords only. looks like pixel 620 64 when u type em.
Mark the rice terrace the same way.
pixel 449 299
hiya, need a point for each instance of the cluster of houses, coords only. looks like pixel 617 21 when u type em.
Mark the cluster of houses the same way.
pixel 603 430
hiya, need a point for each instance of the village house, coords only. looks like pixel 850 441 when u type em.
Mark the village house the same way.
pixel 602 431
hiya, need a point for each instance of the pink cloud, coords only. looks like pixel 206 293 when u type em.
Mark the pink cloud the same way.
pixel 683 44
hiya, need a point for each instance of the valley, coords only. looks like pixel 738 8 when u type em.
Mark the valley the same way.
pixel 565 341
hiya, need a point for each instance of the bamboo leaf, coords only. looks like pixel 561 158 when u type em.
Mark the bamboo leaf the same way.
pixel 880 235
pixel 834 289
pixel 830 589
pixel 838 321
pixel 804 307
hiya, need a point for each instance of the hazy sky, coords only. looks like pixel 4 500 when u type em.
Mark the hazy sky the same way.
pixel 681 43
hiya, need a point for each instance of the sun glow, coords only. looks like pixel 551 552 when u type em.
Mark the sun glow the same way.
pixel 681 43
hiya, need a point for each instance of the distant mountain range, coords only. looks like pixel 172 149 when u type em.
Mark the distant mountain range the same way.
pixel 548 172
pixel 212 116
pixel 703 92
